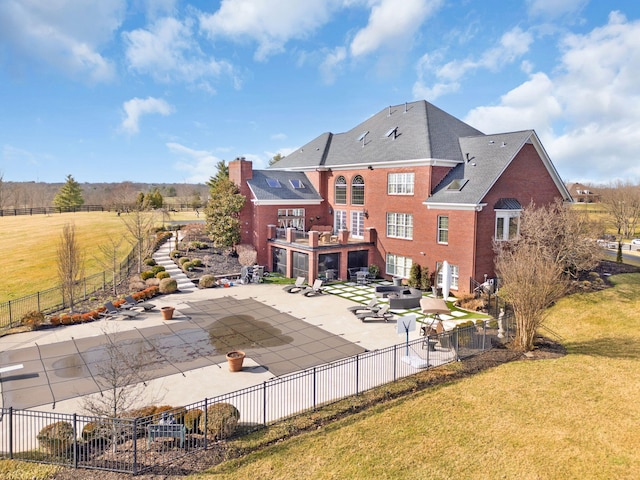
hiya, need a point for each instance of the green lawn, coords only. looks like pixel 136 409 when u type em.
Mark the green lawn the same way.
pixel 572 417
pixel 29 262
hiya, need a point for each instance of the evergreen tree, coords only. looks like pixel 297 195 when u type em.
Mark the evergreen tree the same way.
pixel 223 209
pixel 276 158
pixel 154 199
pixel 69 195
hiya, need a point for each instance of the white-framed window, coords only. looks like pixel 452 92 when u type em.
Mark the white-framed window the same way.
pixel 400 225
pixel 339 220
pixel 357 190
pixel 454 275
pixel 341 191
pixel 443 229
pixel 398 265
pixel 507 224
pixel 400 183
pixel 291 217
pixel 357 224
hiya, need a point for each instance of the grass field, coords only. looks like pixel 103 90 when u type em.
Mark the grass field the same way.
pixel 30 243
pixel 574 417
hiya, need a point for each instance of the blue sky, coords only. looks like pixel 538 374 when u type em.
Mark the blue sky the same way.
pixel 160 90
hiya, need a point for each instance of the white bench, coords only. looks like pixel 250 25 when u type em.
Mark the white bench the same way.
pixel 171 430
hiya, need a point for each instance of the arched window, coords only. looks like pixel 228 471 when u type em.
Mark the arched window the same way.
pixel 341 191
pixel 357 190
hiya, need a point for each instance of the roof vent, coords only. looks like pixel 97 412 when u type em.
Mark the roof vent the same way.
pixel 504 144
pixel 491 142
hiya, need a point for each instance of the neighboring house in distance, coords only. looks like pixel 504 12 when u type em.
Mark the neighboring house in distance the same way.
pixel 582 193
pixel 410 184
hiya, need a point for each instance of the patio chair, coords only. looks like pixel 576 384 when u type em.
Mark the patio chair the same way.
pixel 132 302
pixel 314 289
pixel 296 287
pixel 372 306
pixel 112 311
pixel 382 314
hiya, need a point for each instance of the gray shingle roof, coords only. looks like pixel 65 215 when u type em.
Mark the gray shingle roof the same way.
pixel 422 132
pixel 286 192
pixel 488 156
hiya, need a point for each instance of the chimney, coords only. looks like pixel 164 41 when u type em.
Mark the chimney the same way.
pixel 240 170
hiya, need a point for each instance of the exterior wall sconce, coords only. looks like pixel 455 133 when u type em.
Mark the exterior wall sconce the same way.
pixel 370 167
pixel 366 213
pixel 330 211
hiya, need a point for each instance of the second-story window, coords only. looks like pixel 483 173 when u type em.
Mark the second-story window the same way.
pixel 443 229
pixel 341 191
pixel 400 183
pixel 357 190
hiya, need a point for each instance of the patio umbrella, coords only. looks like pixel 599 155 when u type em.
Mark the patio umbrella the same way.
pixel 446 279
pixel 434 306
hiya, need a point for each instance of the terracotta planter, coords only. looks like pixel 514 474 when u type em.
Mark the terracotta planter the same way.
pixel 235 359
pixel 167 312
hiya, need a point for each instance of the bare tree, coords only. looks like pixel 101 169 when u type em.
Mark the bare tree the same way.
pixel 121 374
pixel 109 259
pixel 70 264
pixel 554 244
pixel 622 202
pixel 140 224
pixel 3 192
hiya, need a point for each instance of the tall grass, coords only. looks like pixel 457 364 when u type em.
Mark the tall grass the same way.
pixel 29 262
pixel 573 417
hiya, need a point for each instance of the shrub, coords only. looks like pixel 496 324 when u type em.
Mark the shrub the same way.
pixel 162 275
pixel 147 274
pixel 247 254
pixel 198 245
pixel 152 282
pixel 168 285
pixel 149 262
pixel 374 270
pixel 188 266
pixel 221 420
pixel 414 276
pixel 157 269
pixel 196 262
pixel 425 279
pixel 175 253
pixel 207 281
pixel 56 438
pixel 191 420
pixel 182 260
pixel 32 319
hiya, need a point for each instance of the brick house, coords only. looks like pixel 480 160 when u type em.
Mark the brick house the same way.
pixel 582 193
pixel 410 184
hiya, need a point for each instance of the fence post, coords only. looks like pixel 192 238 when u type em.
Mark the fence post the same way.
pixel 75 440
pixel 206 422
pixel 11 432
pixel 264 403
pixel 135 446
pixel 358 374
pixel 395 363
pixel 315 392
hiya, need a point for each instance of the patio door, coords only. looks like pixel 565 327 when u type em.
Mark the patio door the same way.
pixel 357 224
pixel 299 265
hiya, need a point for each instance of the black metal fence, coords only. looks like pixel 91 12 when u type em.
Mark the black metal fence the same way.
pixel 51 300
pixel 13 212
pixel 136 445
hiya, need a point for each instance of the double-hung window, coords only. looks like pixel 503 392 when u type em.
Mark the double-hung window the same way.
pixel 443 229
pixel 341 191
pixel 339 220
pixel 454 272
pixel 400 225
pixel 400 183
pixel 398 265
pixel 507 224
pixel 357 190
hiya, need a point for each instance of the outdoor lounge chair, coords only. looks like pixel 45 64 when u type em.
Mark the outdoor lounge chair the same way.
pixel 112 311
pixel 132 302
pixel 382 314
pixel 314 289
pixel 296 287
pixel 372 306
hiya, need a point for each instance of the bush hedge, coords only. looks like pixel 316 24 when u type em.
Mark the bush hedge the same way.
pixel 221 420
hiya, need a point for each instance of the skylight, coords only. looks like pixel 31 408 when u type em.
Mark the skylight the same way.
pixel 457 184
pixel 296 183
pixel 273 182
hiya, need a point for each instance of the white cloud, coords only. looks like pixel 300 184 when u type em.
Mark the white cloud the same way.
pixel 136 107
pixel 271 24
pixel 555 8
pixel 168 52
pixel 200 165
pixel 392 24
pixel 511 46
pixel 332 63
pixel 65 34
pixel 588 113
pixel 278 136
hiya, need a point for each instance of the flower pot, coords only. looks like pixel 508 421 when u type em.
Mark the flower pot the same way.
pixel 167 312
pixel 235 359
